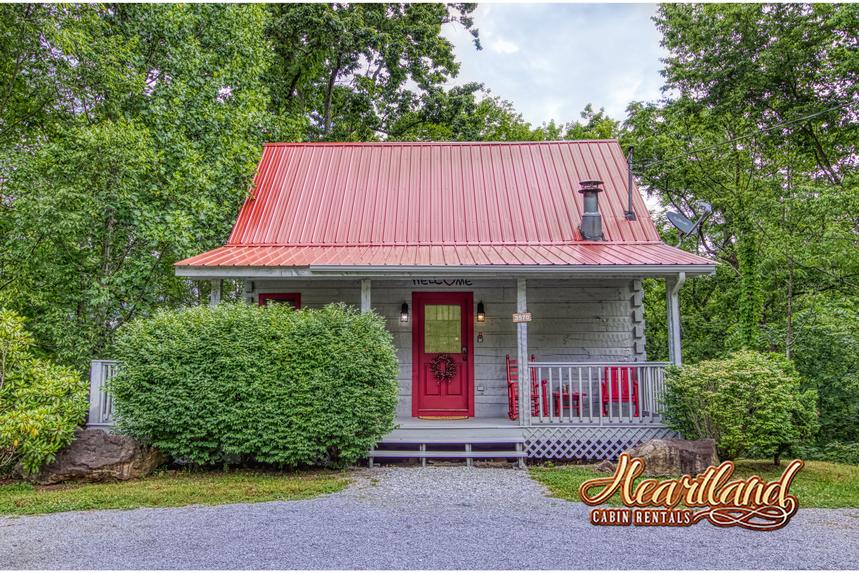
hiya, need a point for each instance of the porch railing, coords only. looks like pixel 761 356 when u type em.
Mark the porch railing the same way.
pixel 100 402
pixel 597 393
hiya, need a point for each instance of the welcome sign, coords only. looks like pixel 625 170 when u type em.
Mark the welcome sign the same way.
pixel 712 495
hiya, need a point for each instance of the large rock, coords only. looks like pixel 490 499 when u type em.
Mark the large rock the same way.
pixel 96 455
pixel 675 457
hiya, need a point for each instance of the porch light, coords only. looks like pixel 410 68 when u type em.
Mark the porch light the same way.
pixel 481 312
pixel 404 312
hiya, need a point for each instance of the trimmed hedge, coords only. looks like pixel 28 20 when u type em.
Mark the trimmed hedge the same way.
pixel 268 384
pixel 751 403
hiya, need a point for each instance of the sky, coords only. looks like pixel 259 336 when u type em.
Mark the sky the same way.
pixel 550 60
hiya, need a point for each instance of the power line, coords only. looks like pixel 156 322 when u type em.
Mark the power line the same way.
pixel 742 137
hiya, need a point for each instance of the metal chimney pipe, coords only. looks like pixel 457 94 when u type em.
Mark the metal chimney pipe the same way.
pixel 630 213
pixel 591 227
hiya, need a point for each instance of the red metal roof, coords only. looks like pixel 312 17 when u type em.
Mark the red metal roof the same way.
pixel 427 204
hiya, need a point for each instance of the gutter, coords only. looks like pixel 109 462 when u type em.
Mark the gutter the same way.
pixel 502 271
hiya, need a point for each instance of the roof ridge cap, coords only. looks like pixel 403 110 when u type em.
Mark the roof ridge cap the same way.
pixel 428 143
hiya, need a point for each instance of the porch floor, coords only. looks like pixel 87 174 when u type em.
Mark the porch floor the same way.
pixel 409 422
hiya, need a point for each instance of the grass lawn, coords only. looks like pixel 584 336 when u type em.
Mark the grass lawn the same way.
pixel 818 484
pixel 170 489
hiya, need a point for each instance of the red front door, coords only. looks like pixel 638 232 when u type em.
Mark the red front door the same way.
pixel 442 356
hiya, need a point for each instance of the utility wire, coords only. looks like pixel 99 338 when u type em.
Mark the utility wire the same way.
pixel 741 137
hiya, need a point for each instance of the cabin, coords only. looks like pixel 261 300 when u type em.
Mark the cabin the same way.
pixel 509 274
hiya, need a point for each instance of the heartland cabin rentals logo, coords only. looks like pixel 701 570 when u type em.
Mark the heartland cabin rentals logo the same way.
pixel 749 503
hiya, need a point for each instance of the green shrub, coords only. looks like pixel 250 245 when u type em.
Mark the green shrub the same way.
pixel 41 403
pixel 248 383
pixel 748 402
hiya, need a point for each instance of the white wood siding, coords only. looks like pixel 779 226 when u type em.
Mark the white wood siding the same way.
pixel 573 320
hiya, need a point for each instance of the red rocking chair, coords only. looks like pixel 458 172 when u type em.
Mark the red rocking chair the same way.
pixel 621 386
pixel 513 390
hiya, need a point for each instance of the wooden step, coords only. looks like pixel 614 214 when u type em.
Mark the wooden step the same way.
pixel 442 454
pixel 452 440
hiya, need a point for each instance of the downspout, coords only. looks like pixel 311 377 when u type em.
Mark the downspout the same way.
pixel 675 353
pixel 678 284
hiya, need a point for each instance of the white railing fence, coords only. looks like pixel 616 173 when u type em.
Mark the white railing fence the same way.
pixel 100 402
pixel 596 393
pixel 559 393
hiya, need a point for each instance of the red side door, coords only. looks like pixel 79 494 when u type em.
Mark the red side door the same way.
pixel 442 355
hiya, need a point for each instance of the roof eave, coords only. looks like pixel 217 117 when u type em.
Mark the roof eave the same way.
pixel 390 271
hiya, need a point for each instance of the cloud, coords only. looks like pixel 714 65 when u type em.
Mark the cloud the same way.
pixel 503 46
pixel 550 60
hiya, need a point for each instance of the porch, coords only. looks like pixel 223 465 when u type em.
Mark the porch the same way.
pixel 587 391
pixel 576 410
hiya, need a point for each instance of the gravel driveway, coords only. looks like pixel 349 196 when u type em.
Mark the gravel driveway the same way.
pixel 413 518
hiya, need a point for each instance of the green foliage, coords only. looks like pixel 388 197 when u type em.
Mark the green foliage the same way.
pixel 41 403
pixel 840 452
pixel 355 68
pixel 165 111
pixel 761 124
pixel 269 384
pixel 825 348
pixel 749 403
pixel 471 113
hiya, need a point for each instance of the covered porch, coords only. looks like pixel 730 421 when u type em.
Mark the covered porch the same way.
pixel 588 391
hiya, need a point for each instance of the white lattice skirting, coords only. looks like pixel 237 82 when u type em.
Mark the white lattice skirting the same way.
pixel 587 443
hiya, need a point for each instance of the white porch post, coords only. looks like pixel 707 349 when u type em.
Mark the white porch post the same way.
pixel 672 295
pixel 365 295
pixel 215 293
pixel 522 349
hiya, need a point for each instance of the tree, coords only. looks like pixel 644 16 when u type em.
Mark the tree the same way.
pixel 148 165
pixel 355 68
pixel 761 123
pixel 597 125
pixel 471 113
pixel 461 113
pixel 766 64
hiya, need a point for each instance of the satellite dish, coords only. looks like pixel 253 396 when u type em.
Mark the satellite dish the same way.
pixel 684 224
pixel 679 220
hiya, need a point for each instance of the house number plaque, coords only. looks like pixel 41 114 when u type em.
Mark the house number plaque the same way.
pixel 521 317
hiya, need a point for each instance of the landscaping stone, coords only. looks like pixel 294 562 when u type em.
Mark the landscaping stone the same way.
pixel 96 455
pixel 675 456
pixel 605 467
